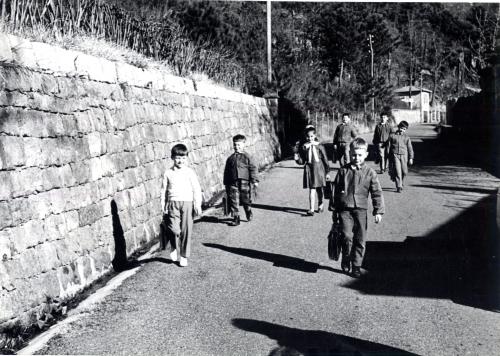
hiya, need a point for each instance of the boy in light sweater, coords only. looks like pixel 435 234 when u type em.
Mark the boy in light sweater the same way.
pixel 180 201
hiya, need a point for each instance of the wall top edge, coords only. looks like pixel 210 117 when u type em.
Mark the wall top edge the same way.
pixel 53 59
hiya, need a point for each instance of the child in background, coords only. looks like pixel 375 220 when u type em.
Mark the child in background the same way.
pixel 353 183
pixel 312 155
pixel 180 201
pixel 381 140
pixel 239 174
pixel 400 155
pixel 344 134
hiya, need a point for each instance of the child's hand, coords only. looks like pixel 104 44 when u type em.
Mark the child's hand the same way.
pixel 378 218
pixel 256 184
pixel 197 211
pixel 328 178
pixel 410 161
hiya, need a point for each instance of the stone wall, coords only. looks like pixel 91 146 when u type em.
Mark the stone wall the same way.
pixel 79 134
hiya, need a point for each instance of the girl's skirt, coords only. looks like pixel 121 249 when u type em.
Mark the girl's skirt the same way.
pixel 314 175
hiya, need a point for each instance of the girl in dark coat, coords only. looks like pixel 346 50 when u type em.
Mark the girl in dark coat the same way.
pixel 312 155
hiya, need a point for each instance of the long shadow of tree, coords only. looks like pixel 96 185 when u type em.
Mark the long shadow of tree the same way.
pixel 296 342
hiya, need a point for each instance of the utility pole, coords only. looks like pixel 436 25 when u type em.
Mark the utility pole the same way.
pixel 370 40
pixel 269 67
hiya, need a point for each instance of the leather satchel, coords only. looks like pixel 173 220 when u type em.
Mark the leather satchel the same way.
pixel 335 240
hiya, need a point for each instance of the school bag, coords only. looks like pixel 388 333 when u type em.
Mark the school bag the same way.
pixel 335 240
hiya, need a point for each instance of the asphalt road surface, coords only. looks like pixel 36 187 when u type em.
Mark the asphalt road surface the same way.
pixel 268 287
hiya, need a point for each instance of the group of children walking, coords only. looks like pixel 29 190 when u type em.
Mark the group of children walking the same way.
pixel 353 184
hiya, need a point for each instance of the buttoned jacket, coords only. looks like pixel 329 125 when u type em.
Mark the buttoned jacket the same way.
pixel 352 187
pixel 382 133
pixel 344 133
pixel 240 166
pixel 400 144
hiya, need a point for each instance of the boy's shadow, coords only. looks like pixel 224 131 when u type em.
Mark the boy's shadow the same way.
pixel 285 209
pixel 278 260
pixel 297 342
pixel 215 219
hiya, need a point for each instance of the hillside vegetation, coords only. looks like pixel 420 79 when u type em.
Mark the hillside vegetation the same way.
pixel 322 52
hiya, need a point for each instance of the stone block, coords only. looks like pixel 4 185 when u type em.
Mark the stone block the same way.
pixel 12 151
pixel 122 199
pixel 95 168
pixel 84 122
pixel 33 151
pixel 40 205
pixel 65 255
pixel 58 200
pixel 14 98
pixel 94 144
pixel 46 284
pixel 90 214
pixel 87 240
pixel 25 236
pixel 5 215
pixel 48 256
pixel 97 69
pixel 6 248
pixel 70 125
pixel 6 186
pixel 51 178
pixel 72 220
pixel 26 181
pixel 20 210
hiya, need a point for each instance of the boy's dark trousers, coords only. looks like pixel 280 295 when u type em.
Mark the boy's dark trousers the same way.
pixel 239 193
pixel 354 223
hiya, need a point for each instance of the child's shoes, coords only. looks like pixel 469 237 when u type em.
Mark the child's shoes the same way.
pixel 173 255
pixel 249 214
pixel 236 221
pixel 346 266
pixel 356 271
pixel 183 262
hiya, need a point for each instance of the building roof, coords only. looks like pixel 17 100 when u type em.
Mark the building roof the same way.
pixel 414 89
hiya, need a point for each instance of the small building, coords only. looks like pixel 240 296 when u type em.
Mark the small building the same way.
pixel 412 104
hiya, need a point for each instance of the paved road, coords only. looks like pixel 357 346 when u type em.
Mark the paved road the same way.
pixel 268 286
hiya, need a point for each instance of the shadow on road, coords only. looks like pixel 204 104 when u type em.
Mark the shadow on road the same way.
pixel 285 209
pixel 155 259
pixel 213 219
pixel 278 260
pixel 456 188
pixel 296 342
pixel 457 261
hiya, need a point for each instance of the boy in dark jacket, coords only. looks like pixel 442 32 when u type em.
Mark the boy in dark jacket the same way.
pixel 400 155
pixel 381 139
pixel 344 134
pixel 353 183
pixel 239 173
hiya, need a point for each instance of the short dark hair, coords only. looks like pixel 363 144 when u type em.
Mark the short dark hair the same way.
pixel 346 114
pixel 179 150
pixel 404 124
pixel 309 129
pixel 358 142
pixel 384 113
pixel 239 138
